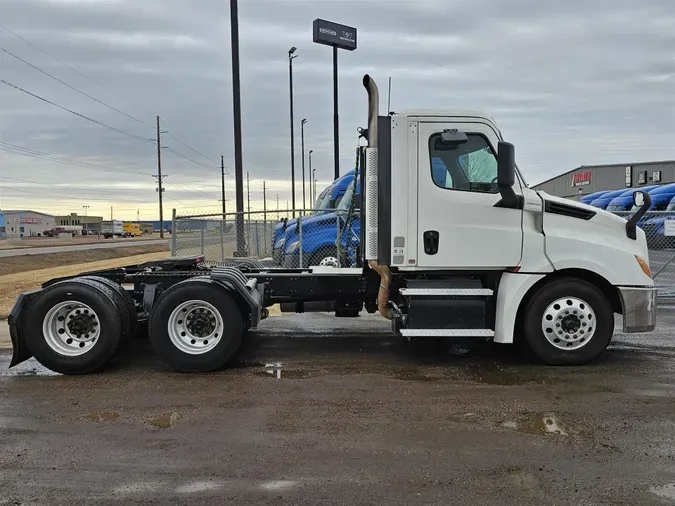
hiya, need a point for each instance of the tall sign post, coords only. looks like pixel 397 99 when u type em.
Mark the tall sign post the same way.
pixel 338 37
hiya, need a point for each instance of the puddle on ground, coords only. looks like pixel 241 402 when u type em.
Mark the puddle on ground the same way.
pixel 278 371
pixel 166 421
pixel 495 375
pixel 28 368
pixel 538 424
pixel 665 491
pixel 103 416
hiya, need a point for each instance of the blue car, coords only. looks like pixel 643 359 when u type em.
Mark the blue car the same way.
pixel 320 235
pixel 324 204
pixel 587 199
pixel 624 202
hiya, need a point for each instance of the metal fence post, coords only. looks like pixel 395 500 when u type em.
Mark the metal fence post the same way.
pixel 173 233
pixel 202 235
pixel 338 242
pixel 300 233
pixel 257 239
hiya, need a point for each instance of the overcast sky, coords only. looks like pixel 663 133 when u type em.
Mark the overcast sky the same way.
pixel 570 83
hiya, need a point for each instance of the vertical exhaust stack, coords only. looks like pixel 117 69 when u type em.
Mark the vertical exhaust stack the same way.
pixel 372 193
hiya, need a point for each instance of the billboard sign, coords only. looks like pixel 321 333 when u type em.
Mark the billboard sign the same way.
pixel 581 178
pixel 333 34
pixel 30 221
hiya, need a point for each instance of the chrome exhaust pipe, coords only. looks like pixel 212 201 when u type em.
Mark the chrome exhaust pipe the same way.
pixel 372 168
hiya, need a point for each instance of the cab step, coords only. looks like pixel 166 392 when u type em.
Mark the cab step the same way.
pixel 447 332
pixel 446 292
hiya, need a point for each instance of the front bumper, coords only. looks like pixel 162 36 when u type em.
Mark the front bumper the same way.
pixel 639 308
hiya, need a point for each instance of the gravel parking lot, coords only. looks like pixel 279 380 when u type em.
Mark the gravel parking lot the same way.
pixel 344 416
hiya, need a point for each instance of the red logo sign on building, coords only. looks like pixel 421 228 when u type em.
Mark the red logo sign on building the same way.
pixel 581 178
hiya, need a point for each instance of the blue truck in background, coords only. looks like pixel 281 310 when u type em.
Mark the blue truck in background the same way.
pixel 587 199
pixel 322 233
pixel 624 202
pixel 663 199
pixel 325 203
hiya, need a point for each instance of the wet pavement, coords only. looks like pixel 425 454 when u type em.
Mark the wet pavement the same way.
pixel 350 415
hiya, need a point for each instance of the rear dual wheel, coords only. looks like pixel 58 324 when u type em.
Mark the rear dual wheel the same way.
pixel 196 326
pixel 76 326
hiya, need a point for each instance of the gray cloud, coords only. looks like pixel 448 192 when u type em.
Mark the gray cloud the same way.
pixel 569 83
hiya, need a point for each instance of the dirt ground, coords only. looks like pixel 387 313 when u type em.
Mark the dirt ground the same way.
pixel 317 410
pixel 11 285
pixel 41 242
pixel 12 265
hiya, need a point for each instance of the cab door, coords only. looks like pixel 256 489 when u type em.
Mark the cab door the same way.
pixel 461 222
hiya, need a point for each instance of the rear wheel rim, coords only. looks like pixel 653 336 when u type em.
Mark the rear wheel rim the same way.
pixel 195 327
pixel 569 323
pixel 71 328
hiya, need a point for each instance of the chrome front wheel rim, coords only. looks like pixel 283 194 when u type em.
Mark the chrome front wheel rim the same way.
pixel 569 323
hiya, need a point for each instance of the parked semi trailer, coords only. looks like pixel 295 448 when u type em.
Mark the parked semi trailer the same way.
pixel 473 253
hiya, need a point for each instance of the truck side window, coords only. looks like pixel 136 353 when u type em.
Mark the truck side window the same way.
pixel 471 166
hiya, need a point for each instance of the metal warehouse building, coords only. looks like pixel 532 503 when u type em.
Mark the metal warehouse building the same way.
pixel 592 178
pixel 21 223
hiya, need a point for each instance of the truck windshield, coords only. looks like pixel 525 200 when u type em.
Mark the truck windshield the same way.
pixel 323 201
pixel 618 208
pixel 346 199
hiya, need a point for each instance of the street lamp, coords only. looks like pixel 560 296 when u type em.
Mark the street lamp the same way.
pixel 85 218
pixel 312 195
pixel 314 176
pixel 302 136
pixel 291 57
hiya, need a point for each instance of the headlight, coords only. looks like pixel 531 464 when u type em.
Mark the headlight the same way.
pixel 280 243
pixel 293 247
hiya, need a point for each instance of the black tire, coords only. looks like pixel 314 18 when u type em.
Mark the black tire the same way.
pixel 129 315
pixel 202 289
pixel 558 289
pixel 101 300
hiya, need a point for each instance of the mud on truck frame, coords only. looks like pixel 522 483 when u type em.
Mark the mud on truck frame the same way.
pixel 469 251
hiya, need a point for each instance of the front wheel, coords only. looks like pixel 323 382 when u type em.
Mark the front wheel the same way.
pixel 568 322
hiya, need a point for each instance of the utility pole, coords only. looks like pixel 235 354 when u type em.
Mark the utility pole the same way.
pixel 336 120
pixel 111 213
pixel 312 196
pixel 236 105
pixel 222 173
pixel 248 207
pixel 389 98
pixel 265 215
pixel 159 188
pixel 291 57
pixel 86 208
pixel 302 131
pixel 277 207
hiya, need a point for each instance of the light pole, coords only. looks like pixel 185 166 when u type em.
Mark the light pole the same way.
pixel 291 57
pixel 314 176
pixel 312 195
pixel 86 208
pixel 302 136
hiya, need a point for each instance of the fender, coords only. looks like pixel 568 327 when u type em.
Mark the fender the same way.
pixel 21 353
pixel 512 289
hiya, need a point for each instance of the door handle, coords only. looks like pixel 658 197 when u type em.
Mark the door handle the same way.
pixel 431 242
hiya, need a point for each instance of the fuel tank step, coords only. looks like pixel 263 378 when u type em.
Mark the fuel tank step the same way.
pixel 447 332
pixel 446 292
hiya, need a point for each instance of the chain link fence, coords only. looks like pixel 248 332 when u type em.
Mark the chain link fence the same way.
pixel 659 228
pixel 288 239
pixel 305 238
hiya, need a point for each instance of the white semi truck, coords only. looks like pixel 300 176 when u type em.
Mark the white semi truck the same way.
pixel 455 244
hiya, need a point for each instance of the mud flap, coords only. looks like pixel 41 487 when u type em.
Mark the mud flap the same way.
pixel 21 351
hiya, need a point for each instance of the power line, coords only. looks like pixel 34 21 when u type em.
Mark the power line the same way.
pixel 190 148
pixel 191 188
pixel 32 153
pixel 80 198
pixel 101 86
pixel 186 157
pixel 76 89
pixel 133 136
pixel 74 69
pixel 64 187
